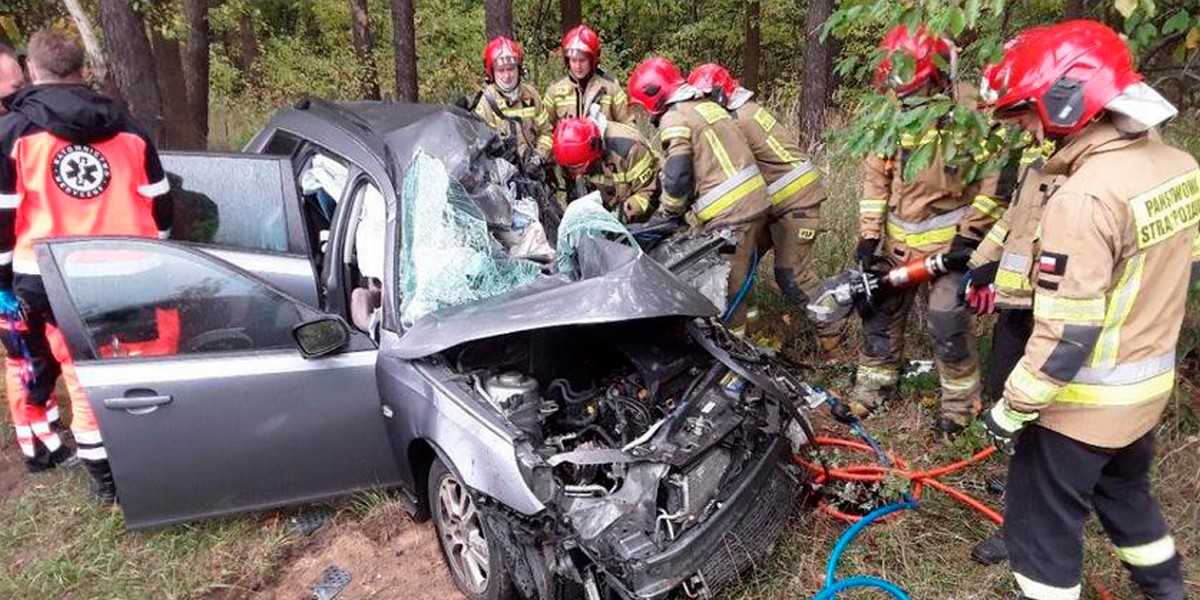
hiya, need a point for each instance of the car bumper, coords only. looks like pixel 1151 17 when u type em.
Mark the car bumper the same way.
pixel 739 534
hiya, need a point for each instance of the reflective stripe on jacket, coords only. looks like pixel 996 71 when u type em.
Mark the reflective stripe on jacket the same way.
pixel 793 182
pixel 524 117
pixel 1116 250
pixel 564 99
pixel 627 175
pixel 709 167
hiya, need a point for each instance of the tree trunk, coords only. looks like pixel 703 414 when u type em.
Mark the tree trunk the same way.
pixel 572 13
pixel 752 47
pixel 363 43
pixel 817 86
pixel 498 18
pixel 247 42
pixel 405 39
pixel 132 63
pixel 1075 9
pixel 195 64
pixel 99 66
pixel 179 132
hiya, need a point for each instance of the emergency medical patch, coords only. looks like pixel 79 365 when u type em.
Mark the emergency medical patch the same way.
pixel 1167 209
pixel 1052 264
pixel 81 171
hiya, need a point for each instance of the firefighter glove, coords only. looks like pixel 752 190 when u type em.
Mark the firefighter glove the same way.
pixel 865 252
pixel 10 308
pixel 979 288
pixel 1004 425
pixel 960 253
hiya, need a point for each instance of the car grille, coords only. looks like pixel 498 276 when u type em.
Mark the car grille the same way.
pixel 754 537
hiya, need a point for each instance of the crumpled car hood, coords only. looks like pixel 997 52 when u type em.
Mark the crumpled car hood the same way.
pixel 618 283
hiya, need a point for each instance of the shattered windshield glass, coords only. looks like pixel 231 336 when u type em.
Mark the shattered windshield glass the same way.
pixel 447 256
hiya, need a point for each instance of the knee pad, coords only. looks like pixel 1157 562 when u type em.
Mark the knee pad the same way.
pixel 949 332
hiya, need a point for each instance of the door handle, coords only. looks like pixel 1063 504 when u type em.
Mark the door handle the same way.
pixel 136 402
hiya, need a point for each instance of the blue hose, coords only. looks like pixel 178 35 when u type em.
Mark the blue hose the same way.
pixel 833 585
pixel 743 291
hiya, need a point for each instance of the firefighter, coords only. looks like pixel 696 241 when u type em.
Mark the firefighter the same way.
pixel 901 221
pixel 586 90
pixel 71 163
pixel 709 175
pixel 512 107
pixel 793 184
pixel 1079 409
pixel 617 161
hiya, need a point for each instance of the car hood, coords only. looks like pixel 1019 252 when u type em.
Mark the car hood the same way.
pixel 617 283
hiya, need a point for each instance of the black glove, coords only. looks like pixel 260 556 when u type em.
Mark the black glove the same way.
pixel 865 252
pixel 1003 426
pixel 960 253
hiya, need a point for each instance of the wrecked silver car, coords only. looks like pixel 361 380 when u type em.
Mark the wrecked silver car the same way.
pixel 583 428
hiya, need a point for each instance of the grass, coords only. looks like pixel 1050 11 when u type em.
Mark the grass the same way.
pixel 55 543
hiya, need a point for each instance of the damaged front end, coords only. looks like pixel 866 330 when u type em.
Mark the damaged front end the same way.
pixel 660 449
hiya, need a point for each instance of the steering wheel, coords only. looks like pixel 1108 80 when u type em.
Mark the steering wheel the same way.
pixel 220 340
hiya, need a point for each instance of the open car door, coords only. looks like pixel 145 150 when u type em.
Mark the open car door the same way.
pixel 244 208
pixel 204 401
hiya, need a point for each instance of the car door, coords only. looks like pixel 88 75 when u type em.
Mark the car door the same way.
pixel 205 404
pixel 244 208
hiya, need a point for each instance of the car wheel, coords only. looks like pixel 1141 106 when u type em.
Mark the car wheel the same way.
pixel 475 559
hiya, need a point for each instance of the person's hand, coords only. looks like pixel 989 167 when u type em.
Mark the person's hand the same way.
pixel 1004 425
pixel 979 288
pixel 864 253
pixel 10 307
pixel 959 255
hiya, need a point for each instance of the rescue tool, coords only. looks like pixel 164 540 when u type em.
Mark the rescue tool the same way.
pixel 858 288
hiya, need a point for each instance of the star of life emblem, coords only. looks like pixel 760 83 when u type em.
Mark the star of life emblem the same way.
pixel 81 171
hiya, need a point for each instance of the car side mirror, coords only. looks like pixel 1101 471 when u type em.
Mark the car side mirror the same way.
pixel 322 336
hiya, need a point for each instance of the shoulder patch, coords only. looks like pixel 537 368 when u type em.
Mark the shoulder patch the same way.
pixel 1166 209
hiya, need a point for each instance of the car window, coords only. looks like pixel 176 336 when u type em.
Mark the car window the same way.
pixel 140 299
pixel 235 201
pixel 282 143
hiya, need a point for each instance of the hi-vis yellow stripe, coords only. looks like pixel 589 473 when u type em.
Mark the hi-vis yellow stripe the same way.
pixel 1039 391
pixel 712 112
pixel 1073 310
pixel 1120 302
pixel 719 152
pixel 1147 555
pixel 1167 209
pixel 924 238
pixel 749 186
pixel 1011 280
pixel 764 120
pixel 1118 395
pixel 997 234
pixel 988 206
pixel 676 132
pixel 779 150
pixel 794 187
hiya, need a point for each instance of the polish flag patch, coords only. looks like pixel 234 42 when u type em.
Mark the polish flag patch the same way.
pixel 1052 264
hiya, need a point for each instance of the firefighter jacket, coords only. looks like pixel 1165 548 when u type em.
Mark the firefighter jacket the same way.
pixel 627 173
pixel 523 118
pixel 793 182
pixel 923 215
pixel 709 167
pixel 72 163
pixel 1116 247
pixel 1013 240
pixel 565 98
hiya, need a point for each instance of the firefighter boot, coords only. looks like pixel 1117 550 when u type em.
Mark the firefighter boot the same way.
pixel 102 486
pixel 991 551
pixel 63 458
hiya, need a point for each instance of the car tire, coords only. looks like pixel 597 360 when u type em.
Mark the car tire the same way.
pixel 475 559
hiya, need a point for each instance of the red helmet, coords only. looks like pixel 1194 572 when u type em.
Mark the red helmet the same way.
pixel 501 51
pixel 582 39
pixel 1067 73
pixel 922 47
pixel 652 82
pixel 712 75
pixel 577 143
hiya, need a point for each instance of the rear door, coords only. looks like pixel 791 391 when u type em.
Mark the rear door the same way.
pixel 244 208
pixel 205 405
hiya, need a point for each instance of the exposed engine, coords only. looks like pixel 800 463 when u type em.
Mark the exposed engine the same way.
pixel 645 440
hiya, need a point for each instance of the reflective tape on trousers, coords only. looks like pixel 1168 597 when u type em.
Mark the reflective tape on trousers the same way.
pixel 1040 591
pixel 710 198
pixel 1148 555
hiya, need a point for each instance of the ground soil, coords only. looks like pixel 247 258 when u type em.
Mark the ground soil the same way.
pixel 388 556
pixel 12 470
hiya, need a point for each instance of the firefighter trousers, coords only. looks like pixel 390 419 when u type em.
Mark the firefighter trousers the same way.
pixel 1054 482
pixel 1009 336
pixel 792 237
pixel 948 323
pixel 741 266
pixel 51 357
